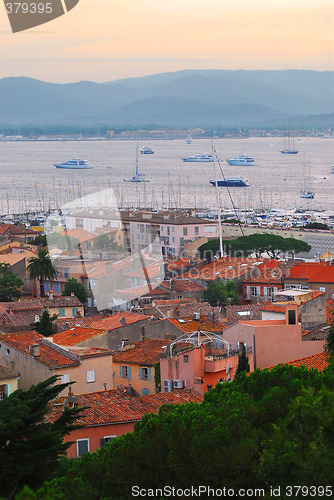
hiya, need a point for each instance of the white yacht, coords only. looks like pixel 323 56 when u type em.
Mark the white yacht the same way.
pixel 137 177
pixel 242 160
pixel 74 164
pixel 307 194
pixel 146 150
pixel 199 158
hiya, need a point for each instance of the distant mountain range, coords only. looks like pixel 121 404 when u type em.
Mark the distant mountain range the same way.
pixel 190 98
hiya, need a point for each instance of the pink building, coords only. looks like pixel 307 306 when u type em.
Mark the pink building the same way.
pixel 274 341
pixel 200 366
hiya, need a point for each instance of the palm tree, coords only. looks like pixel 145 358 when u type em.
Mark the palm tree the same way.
pixel 41 268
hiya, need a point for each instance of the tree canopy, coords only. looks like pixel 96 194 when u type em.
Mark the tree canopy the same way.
pixel 219 294
pixel 30 445
pixel 257 244
pixel 73 286
pixel 10 284
pixel 45 325
pixel 41 268
pixel 234 438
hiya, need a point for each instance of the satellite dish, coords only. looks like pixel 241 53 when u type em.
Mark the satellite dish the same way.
pixel 228 369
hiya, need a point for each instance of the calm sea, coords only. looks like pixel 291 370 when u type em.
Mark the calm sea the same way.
pixel 29 181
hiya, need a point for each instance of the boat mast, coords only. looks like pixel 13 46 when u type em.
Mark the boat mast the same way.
pixel 218 203
pixel 137 159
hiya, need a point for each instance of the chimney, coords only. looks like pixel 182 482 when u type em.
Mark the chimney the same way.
pixel 35 351
pixel 72 294
pixel 51 294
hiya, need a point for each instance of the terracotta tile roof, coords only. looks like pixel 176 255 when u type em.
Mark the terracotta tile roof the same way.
pixel 182 263
pixel 185 307
pixel 273 307
pixel 154 270
pixel 319 361
pixel 79 233
pixel 14 230
pixel 175 397
pixel 191 325
pixel 76 335
pixel 118 320
pixel 50 355
pixel 141 291
pixel 266 276
pixel 13 258
pixel 89 352
pixel 183 285
pixel 147 352
pixel 313 272
pixel 236 313
pixel 116 406
pixel 226 267
pixel 86 321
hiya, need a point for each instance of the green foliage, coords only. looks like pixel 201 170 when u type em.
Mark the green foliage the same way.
pixel 40 267
pixel 221 441
pixel 40 240
pixel 10 284
pixel 219 294
pixel 268 243
pixel 243 364
pixel 45 326
pixel 157 376
pixel 329 343
pixel 209 249
pixel 62 241
pixel 231 221
pixel 73 286
pixel 30 445
pixel 317 225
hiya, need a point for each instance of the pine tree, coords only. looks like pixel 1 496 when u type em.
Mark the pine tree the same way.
pixel 45 326
pixel 30 445
pixel 243 364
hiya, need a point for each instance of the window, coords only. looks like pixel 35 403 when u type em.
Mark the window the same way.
pixel 82 447
pixel 74 311
pixel 2 392
pixel 66 273
pixel 125 371
pixel 255 291
pixel 91 376
pixel 61 313
pixel 181 242
pixel 145 373
pixel 322 288
pixel 142 228
pixel 196 230
pixel 145 392
pixel 46 286
pixel 186 358
pixel 106 439
pixel 65 378
pixel 56 286
pixel 185 231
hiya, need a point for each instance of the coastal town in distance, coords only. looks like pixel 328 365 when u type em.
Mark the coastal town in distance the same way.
pixel 166 250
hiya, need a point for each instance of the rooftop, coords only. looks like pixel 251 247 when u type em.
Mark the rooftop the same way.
pixel 147 352
pixel 76 335
pixel 116 406
pixel 51 356
pixel 318 361
pixel 226 267
pixel 118 320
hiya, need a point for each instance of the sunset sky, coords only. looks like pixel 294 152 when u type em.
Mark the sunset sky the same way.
pixel 102 40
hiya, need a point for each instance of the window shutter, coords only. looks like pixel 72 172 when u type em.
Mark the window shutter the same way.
pixel 258 291
pixel 121 371
pixel 9 389
pixel 129 372
pixel 148 373
pixel 140 374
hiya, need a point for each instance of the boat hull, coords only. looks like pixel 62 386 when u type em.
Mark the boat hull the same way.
pixel 230 183
pixel 67 167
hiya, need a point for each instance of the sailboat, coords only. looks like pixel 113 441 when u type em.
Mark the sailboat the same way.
pixel 306 193
pixel 137 177
pixel 189 139
pixel 288 150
